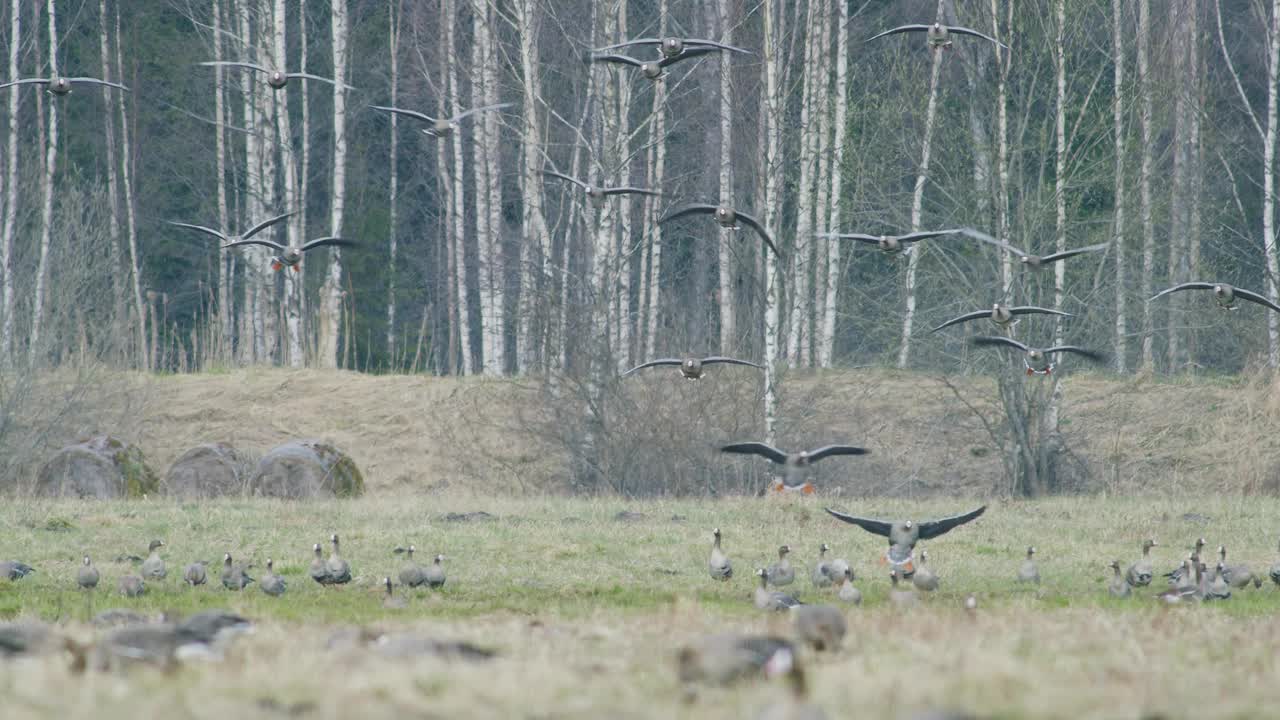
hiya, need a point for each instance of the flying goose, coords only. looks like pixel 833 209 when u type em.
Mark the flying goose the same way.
pixel 61 86
pixel 924 578
pixel 904 534
pixel 412 574
pixel 899 597
pixel 673 47
pixel 938 35
pixel 821 627
pixel 848 593
pixel 153 567
pixel 781 573
pixel 234 577
pixel 889 243
pixel 1140 572
pixel 1002 315
pixel 390 600
pixel 692 368
pixel 132 586
pixel 277 79
pixel 1027 259
pixel 234 238
pixel 718 564
pixel 434 573
pixel 1028 572
pixel 651 69
pixel 337 568
pixel 440 127
pixel 794 462
pixel 15 570
pixel 766 599
pixel 1036 360
pixel 821 577
pixel 727 217
pixel 87 575
pixel 271 583
pixel 194 574
pixel 291 255
pixel 1119 586
pixel 726 658
pixel 597 195
pixel 1239 576
pixel 1224 294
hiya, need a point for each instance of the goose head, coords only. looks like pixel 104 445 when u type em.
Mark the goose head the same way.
pixel 1114 565
pixel 691 368
pixel 59 86
pixel 316 549
pixel 908 524
pixel 672 46
pixel 651 70
pixel 155 544
pixel 277 79
pixel 726 216
pixel 1030 552
pixel 782 551
pixel 270 566
pixel 86 560
pixel 889 244
pixel 226 560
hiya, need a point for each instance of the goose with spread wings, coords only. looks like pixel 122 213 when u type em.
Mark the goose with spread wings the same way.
pixel 234 238
pixel 794 462
pixel 652 69
pixel 1002 315
pixel 62 85
pixel 277 79
pixel 1037 360
pixel 890 243
pixel 440 127
pixel 291 255
pixel 597 195
pixel 1033 261
pixel 904 534
pixel 938 35
pixel 692 368
pixel 673 47
pixel 1224 294
pixel 726 216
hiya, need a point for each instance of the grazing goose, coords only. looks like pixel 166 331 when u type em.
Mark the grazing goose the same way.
pixel 1218 588
pixel 194 574
pixel 1275 572
pixel 440 127
pixel 164 644
pixel 821 627
pixel 1140 572
pixel 797 706
pixel 848 593
pixel 726 658
pixel 1002 315
pixel 87 575
pixel 1238 576
pixel 412 574
pixel 821 575
pixel 291 255
pixel 234 577
pixel 904 534
pixel 794 462
pixel 434 573
pixel 899 597
pixel 153 567
pixel 1224 294
pixel 132 586
pixel 61 86
pixel 597 195
pixel 337 568
pixel 1028 572
pixel 208 626
pixel 692 368
pixel 938 35
pixel 277 79
pixel 673 47
pixel 27 637
pixel 891 244
pixel 1119 587
pixel 1178 577
pixel 651 69
pixel 390 600
pixel 924 578
pixel 718 564
pixel 15 570
pixel 781 573
pixel 1036 360
pixel 223 238
pixel 727 217
pixel 271 583
pixel 1028 260
pixel 766 599
pixel 319 569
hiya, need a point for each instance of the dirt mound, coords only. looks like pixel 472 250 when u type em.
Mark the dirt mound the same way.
pixel 99 467
pixel 305 469
pixel 208 470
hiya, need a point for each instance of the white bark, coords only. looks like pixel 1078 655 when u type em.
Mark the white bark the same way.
pixel 917 205
pixel 728 309
pixel 1269 186
pixel 622 319
pixel 331 292
pixel 800 260
pixel 11 193
pixel 1002 151
pixel 308 333
pixel 252 341
pixel 267 296
pixel 826 353
pixel 773 119
pixel 1121 344
pixel 1060 170
pixel 816 320
pixel 493 279
pixel 459 217
pixel 657 170
pixel 535 313
pixel 284 138
pixel 1144 180
pixel 480 176
pixel 226 320
pixel 131 227
pixel 113 185
pixel 46 209
pixel 1179 202
pixel 393 42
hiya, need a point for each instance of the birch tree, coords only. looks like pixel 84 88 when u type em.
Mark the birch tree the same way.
pixel 826 352
pixel 284 141
pixel 113 190
pixel 393 42
pixel 800 254
pixel 1144 182
pixel 728 309
pixel 331 291
pixel 1003 63
pixel 459 218
pixel 1121 345
pixel 656 162
pixel 536 270
pixel 46 211
pixel 486 253
pixel 815 320
pixel 772 117
pixel 11 192
pixel 1060 167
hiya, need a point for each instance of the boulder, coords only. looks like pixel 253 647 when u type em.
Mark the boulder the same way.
pixel 207 471
pixel 306 469
pixel 99 467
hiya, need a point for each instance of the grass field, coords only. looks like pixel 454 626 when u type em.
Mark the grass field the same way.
pixel 586 610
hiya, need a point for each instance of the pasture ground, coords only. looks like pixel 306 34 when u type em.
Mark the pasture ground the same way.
pixel 586 610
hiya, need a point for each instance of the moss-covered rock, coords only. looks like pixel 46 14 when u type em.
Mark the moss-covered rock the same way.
pixel 99 467
pixel 306 469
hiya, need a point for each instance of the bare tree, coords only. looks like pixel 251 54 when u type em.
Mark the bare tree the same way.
pixel 799 287
pixel 772 111
pixel 657 164
pixel 826 352
pixel 220 144
pixel 1060 167
pixel 11 193
pixel 113 190
pixel 1121 343
pixel 1004 61
pixel 331 291
pixel 252 336
pixel 293 288
pixel 1144 182
pixel 486 247
pixel 816 320
pixel 728 309
pixel 536 269
pixel 394 13
pixel 46 213
pixel 459 241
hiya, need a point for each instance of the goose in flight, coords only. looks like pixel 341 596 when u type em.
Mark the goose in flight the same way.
pixel 938 35
pixel 673 47
pixel 652 69
pixel 1027 259
pixel 234 238
pixel 1037 360
pixel 727 217
pixel 1224 294
pixel 277 79
pixel 794 462
pixel 692 368
pixel 440 127
pixel 904 534
pixel 890 243
pixel 597 195
pixel 62 85
pixel 291 255
pixel 1002 315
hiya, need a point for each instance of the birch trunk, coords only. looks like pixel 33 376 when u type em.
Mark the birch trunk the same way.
pixel 308 331
pixel 480 176
pixel 1060 169
pixel 605 237
pixel 126 178
pixel 1003 62
pixel 225 317
pixel 284 135
pixel 1144 182
pixel 393 41
pixel 535 271
pixel 728 333
pixel 11 194
pixel 814 319
pixel 252 342
pixel 267 296
pixel 1179 205
pixel 657 171
pixel 917 205
pixel 119 312
pixel 496 361
pixel 1121 345
pixel 826 353
pixel 444 184
pixel 459 218
pixel 46 209
pixel 1269 186
pixel 623 318
pixel 800 268
pixel 773 120
pixel 331 291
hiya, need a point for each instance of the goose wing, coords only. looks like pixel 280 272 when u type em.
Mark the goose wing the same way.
pixel 828 450
pixel 1093 355
pixel 566 178
pixel 729 361
pixel 764 234
pixel 630 191
pixel 267 223
pixel 900 29
pixel 975 315
pixel 990 340
pixel 629 43
pixel 309 76
pixel 655 363
pixel 979 235
pixel 934 528
pixel 233 63
pixel 1183 286
pixel 689 209
pixel 967 31
pixel 1073 252
pixel 614 58
pixel 199 228
pixel 875 527
pixel 407 113
pixel 328 240
pixel 716 45
pixel 1256 298
pixel 264 243
pixel 925 235
pixel 95 81
pixel 1033 310
pixel 860 237
pixel 27 81
pixel 756 448
pixel 482 108
pixel 689 52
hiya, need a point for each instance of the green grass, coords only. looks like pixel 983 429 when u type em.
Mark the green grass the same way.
pixel 587 611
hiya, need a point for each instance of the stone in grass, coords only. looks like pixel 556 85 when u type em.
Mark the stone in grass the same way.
pixel 306 469
pixel 207 471
pixel 100 467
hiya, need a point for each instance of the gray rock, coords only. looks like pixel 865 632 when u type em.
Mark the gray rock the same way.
pixel 99 467
pixel 207 471
pixel 306 469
